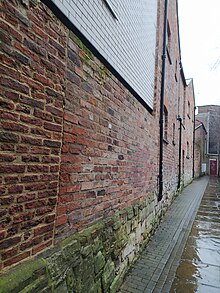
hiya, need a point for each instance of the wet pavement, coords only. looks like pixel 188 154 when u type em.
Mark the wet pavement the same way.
pixel 199 269
pixel 184 254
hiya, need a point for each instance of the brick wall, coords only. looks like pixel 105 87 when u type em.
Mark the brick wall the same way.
pixel 76 146
pixel 107 161
pixel 188 132
pixel 32 92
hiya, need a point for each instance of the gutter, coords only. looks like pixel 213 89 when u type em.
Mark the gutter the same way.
pixel 160 195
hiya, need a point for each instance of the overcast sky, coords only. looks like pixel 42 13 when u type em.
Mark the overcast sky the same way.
pixel 200 47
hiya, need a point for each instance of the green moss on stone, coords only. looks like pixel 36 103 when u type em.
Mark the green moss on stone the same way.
pixel 99 262
pixel 96 288
pixel 21 276
pixel 108 275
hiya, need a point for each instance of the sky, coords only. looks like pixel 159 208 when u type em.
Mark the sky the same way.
pixel 199 22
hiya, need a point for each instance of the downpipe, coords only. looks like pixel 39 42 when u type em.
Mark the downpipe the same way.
pixel 162 92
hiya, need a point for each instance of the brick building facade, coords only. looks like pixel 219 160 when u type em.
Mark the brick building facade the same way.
pixel 80 152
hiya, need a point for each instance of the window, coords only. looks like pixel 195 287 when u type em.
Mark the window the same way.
pixel 176 69
pixel 169 41
pixel 187 150
pixel 188 110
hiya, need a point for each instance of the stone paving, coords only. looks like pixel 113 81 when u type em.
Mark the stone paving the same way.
pixel 199 268
pixel 155 270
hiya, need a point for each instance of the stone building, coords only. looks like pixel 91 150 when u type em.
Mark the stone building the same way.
pixel 209 115
pixel 96 138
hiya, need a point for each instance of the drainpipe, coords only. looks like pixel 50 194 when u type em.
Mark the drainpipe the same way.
pixel 160 195
pixel 180 150
pixel 194 125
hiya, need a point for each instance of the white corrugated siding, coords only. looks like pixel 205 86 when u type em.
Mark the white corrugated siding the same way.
pixel 127 43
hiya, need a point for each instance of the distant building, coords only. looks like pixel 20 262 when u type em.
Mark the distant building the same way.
pixel 200 148
pixel 209 115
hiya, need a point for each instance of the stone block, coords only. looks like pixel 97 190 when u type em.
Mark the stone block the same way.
pixel 97 287
pixel 85 251
pixel 108 275
pixel 99 262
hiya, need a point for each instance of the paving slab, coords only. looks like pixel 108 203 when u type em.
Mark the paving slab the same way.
pixel 159 260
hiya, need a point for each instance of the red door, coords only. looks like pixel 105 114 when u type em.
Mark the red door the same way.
pixel 213 167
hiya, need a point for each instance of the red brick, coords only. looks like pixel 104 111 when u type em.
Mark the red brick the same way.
pixel 43 211
pixel 6 104
pixel 40 150
pixel 36 186
pixel 12 32
pixel 35 204
pixel 54 111
pixel 15 189
pixel 41 247
pixel 31 120
pixel 53 127
pixel 6 200
pixel 30 243
pixel 5 244
pixel 8 137
pixel 42 79
pixel 43 229
pixel 70 117
pixel 11 179
pixel 61 220
pixel 15 127
pixel 32 102
pixel 31 140
pixel 12 169
pixel 8 116
pixel 15 85
pixel 17 258
pixel 7 158
pixel 15 209
pixel 22 217
pixel 21 149
pixel 39 32
pixel 9 253
pixel 43 115
pixel 29 158
pixel 26 197
pixel 73 129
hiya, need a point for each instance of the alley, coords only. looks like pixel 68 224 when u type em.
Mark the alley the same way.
pixel 158 269
pixel 199 269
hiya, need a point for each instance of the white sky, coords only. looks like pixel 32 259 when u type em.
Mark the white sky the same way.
pixel 199 22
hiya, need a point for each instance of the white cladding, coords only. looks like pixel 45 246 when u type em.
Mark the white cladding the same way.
pixel 128 43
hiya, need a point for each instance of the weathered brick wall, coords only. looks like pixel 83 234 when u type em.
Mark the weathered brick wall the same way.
pixel 32 90
pixel 109 148
pixel 188 133
pixel 76 149
pixel 200 147
pixel 54 91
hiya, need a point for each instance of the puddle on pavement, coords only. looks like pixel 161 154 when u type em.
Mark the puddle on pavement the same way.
pixel 199 268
